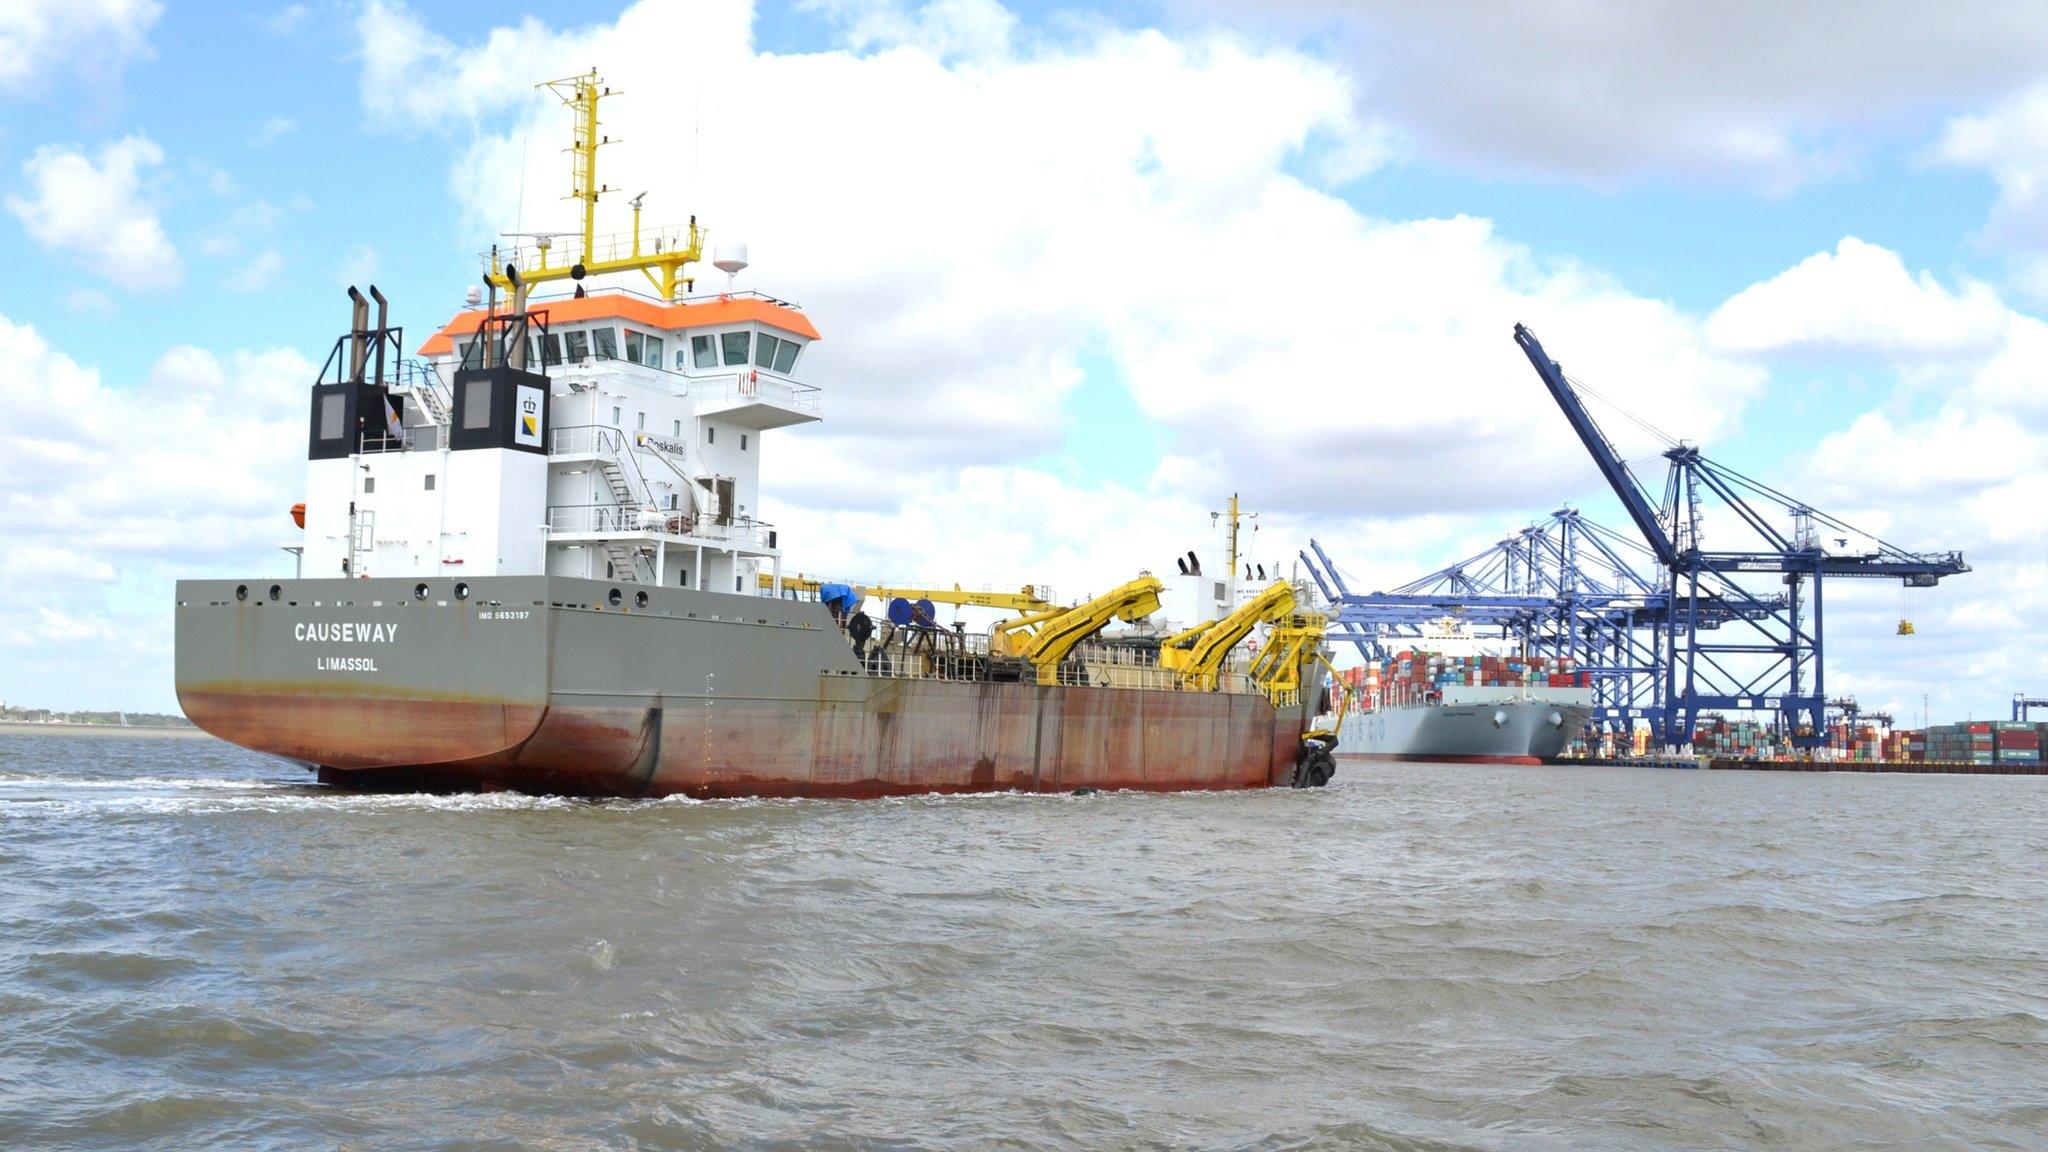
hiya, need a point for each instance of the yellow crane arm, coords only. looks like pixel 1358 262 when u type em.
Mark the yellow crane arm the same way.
pixel 1198 653
pixel 1046 638
pixel 1291 645
pixel 1026 599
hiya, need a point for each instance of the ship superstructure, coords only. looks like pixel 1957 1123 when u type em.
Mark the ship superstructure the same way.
pixel 534 559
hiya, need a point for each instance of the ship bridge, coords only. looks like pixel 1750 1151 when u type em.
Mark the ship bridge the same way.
pixel 599 433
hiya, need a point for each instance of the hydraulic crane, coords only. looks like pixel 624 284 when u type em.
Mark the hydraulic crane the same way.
pixel 1044 638
pixel 1198 653
pixel 1030 598
pixel 1774 662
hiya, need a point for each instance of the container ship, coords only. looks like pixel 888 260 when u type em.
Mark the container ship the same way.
pixel 1467 709
pixel 533 558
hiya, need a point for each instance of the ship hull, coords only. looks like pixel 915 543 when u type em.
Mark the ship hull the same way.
pixel 545 685
pixel 1509 729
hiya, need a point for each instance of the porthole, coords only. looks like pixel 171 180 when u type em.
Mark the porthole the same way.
pixel 277 591
pixel 241 591
pixel 461 590
pixel 615 598
pixel 639 599
pixel 419 591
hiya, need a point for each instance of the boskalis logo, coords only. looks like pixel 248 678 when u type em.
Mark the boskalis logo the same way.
pixel 526 426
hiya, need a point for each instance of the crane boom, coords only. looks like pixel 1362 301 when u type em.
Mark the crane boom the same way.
pixel 1029 598
pixel 1612 466
pixel 1045 638
pixel 1198 653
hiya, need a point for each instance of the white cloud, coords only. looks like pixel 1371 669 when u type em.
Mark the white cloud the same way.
pixel 91 40
pixel 286 21
pixel 100 212
pixel 1956 457
pixel 89 300
pixel 123 489
pixel 257 274
pixel 1128 205
pixel 1859 299
pixel 358 266
pixel 1751 92
pixel 273 129
pixel 2009 140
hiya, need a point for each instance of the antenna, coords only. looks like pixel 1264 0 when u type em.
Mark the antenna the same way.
pixel 730 259
pixel 664 265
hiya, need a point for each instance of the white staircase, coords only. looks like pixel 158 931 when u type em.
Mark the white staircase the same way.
pixel 625 562
pixel 432 403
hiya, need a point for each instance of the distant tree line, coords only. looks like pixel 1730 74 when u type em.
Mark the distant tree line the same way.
pixel 127 719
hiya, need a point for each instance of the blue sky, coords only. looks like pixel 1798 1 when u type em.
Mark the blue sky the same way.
pixel 1656 213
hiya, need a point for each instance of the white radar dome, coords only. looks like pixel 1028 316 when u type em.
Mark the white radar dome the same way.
pixel 473 296
pixel 729 258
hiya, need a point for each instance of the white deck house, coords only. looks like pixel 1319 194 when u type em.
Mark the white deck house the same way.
pixel 639 464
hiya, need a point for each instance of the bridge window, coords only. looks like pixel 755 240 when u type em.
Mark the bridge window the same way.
pixel 703 352
pixel 643 349
pixel 785 356
pixel 735 345
pixel 606 343
pixel 551 349
pixel 743 441
pixel 710 434
pixel 764 351
pixel 578 346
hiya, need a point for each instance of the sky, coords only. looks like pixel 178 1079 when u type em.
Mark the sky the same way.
pixel 1082 273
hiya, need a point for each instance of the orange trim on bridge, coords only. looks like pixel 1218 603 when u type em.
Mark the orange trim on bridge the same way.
pixel 638 310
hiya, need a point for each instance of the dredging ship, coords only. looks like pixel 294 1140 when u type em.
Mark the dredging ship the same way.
pixel 533 559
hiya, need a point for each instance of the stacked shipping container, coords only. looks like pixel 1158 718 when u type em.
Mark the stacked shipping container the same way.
pixel 1411 676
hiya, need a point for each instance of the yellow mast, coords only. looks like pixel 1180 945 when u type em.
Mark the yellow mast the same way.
pixel 1235 516
pixel 663 266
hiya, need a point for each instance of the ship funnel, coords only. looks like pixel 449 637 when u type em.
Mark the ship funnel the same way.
pixel 358 334
pixel 1183 563
pixel 516 354
pixel 383 326
pixel 1194 563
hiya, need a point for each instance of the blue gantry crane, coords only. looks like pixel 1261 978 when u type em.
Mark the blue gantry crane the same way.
pixel 1773 662
pixel 1565 587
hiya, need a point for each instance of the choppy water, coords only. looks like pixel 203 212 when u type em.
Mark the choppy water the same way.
pixel 197 950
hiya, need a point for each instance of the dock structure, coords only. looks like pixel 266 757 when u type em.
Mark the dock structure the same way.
pixel 1748 764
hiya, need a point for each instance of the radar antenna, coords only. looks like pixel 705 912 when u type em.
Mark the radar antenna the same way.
pixel 671 253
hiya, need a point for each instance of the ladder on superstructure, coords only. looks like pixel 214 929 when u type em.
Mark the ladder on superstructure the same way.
pixel 625 567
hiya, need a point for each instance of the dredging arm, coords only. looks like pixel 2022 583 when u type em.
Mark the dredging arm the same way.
pixel 1026 599
pixel 1045 638
pixel 1199 652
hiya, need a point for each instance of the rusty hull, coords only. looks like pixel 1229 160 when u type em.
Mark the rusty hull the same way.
pixel 692 693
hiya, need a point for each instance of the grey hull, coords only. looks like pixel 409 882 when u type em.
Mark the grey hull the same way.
pixel 1502 731
pixel 578 686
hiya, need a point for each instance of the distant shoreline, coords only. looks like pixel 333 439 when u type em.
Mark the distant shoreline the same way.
pixel 23 726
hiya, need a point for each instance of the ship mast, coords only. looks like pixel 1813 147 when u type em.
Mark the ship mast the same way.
pixel 663 264
pixel 1235 516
